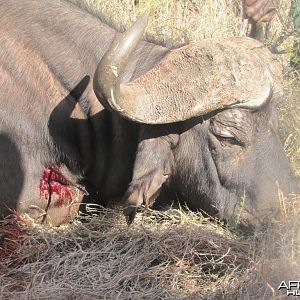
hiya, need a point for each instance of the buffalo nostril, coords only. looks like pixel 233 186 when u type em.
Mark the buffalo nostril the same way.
pixel 130 213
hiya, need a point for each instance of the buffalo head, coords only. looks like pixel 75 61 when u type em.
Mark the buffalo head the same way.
pixel 209 125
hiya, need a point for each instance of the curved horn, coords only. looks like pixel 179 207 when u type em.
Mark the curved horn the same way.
pixel 200 78
pixel 111 67
pixel 197 79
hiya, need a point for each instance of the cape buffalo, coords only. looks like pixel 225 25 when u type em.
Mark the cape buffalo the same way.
pixel 86 108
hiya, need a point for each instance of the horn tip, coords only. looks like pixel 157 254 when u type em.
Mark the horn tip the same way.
pixel 142 20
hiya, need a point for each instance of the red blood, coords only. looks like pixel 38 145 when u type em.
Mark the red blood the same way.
pixel 54 183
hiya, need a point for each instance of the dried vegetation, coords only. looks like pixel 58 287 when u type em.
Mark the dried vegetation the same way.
pixel 170 255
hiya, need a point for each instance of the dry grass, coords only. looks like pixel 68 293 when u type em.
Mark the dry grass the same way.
pixel 290 120
pixel 162 256
pixel 173 23
pixel 168 255
pixel 173 255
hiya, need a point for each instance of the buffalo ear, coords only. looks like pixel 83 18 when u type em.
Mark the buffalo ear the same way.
pixel 152 168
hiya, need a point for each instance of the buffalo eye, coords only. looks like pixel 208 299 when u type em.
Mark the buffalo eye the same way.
pixel 229 140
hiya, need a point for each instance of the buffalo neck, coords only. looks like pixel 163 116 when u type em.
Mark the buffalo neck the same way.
pixel 52 49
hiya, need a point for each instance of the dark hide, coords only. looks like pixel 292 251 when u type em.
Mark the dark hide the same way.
pixel 51 116
pixel 11 174
pixel 236 177
pixel 48 107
